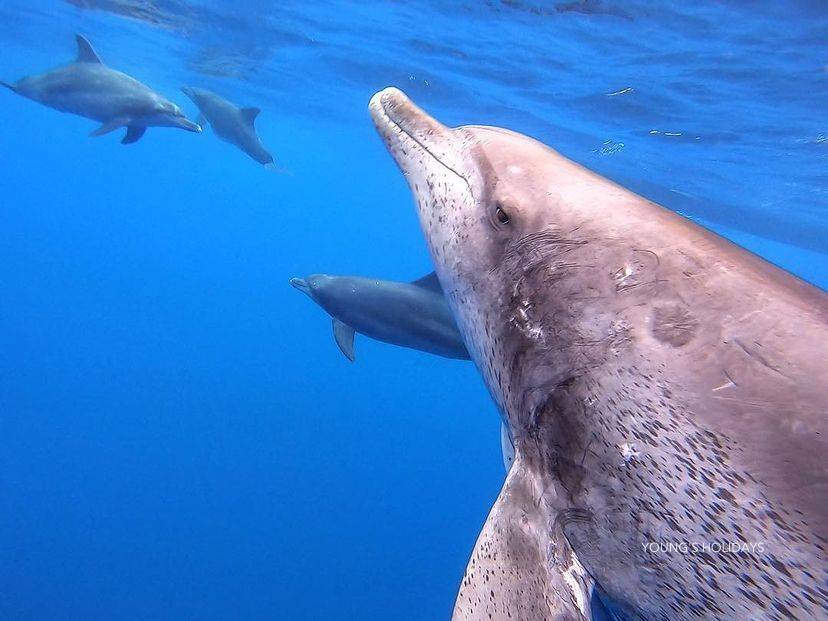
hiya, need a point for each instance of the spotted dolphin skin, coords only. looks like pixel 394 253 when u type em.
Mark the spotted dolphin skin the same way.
pixel 90 89
pixel 413 315
pixel 664 389
pixel 230 123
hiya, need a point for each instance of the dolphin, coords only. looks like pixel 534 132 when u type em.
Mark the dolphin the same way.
pixel 230 123
pixel 665 389
pixel 411 315
pixel 90 89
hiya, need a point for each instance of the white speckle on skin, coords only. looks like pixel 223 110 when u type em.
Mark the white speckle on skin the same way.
pixel 622 274
pixel 514 170
pixel 628 452
pixel 575 577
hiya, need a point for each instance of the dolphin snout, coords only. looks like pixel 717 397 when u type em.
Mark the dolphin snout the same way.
pixel 189 125
pixel 301 284
pixel 396 118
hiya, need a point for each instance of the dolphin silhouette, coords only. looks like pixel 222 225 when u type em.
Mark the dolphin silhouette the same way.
pixel 90 89
pixel 413 315
pixel 230 123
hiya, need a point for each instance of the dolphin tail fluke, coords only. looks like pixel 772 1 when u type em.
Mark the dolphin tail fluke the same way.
pixel 344 336
pixel 519 569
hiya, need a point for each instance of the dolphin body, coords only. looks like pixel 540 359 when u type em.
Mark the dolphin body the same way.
pixel 664 389
pixel 90 89
pixel 230 123
pixel 413 315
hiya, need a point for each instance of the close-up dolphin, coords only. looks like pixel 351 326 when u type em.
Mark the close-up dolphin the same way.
pixel 664 389
pixel 90 89
pixel 230 123
pixel 413 315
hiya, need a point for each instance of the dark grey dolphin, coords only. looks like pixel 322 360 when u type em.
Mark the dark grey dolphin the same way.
pixel 90 89
pixel 664 388
pixel 230 123
pixel 413 315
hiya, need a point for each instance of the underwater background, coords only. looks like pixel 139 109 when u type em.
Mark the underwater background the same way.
pixel 180 438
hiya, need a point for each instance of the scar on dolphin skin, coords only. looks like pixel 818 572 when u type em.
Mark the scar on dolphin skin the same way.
pixel 674 324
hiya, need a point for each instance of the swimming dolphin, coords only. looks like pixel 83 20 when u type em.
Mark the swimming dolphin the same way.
pixel 90 89
pixel 411 315
pixel 230 123
pixel 664 389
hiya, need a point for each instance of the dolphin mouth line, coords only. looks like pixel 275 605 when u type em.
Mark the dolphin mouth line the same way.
pixel 301 284
pixel 389 120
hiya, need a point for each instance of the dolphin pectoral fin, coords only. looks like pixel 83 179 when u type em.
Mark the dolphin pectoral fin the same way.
pixel 344 335
pixel 429 281
pixel 86 53
pixel 522 566
pixel 133 134
pixel 110 126
pixel 11 87
pixel 250 114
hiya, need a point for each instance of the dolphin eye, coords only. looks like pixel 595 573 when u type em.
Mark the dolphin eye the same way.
pixel 501 214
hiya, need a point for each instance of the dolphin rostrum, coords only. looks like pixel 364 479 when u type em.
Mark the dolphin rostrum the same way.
pixel 230 123
pixel 413 315
pixel 664 388
pixel 90 89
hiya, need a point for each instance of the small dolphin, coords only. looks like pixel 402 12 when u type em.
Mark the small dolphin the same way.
pixel 230 123
pixel 411 315
pixel 664 390
pixel 90 89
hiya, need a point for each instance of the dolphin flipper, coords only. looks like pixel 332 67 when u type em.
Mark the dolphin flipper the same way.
pixel 11 87
pixel 522 566
pixel 344 335
pixel 133 134
pixel 86 53
pixel 110 126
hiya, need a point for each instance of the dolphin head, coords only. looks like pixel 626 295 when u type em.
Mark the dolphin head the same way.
pixel 167 114
pixel 483 199
pixel 197 95
pixel 314 286
pixel 335 294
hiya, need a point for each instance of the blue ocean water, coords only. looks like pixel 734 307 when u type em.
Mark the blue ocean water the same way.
pixel 179 436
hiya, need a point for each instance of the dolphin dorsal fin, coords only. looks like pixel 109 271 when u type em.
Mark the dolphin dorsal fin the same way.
pixel 86 54
pixel 429 281
pixel 344 336
pixel 250 114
